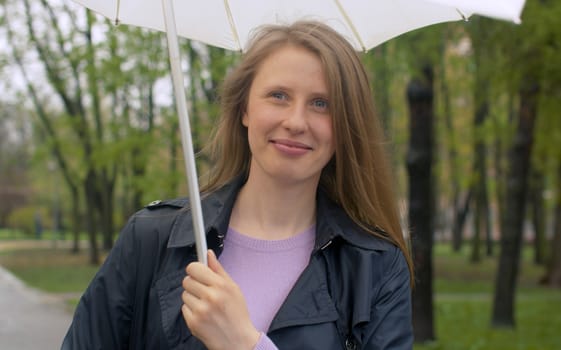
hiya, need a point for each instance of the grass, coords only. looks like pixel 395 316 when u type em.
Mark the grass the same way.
pixel 463 296
pixel 50 270
pixel 464 324
pixel 463 306
pixel 46 235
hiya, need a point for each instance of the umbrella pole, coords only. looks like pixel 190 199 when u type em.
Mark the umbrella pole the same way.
pixel 186 140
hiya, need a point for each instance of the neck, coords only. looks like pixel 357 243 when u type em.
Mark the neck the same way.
pixel 268 209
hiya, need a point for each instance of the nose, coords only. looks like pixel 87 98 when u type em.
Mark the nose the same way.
pixel 296 120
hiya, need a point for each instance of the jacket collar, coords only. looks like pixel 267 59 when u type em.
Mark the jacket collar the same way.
pixel 216 207
pixel 332 222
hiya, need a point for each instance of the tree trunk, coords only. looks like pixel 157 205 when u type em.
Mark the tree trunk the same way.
pixel 456 227
pixel 106 209
pixel 481 210
pixel 173 147
pixel 382 85
pixel 137 172
pixel 516 191
pixel 553 275
pixel 50 129
pixel 102 177
pixel 76 221
pixel 419 165
pixel 91 217
pixel 538 215
pixel 459 221
pixel 499 158
pixel 481 98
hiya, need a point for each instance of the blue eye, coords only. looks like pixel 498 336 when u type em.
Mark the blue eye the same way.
pixel 320 103
pixel 278 95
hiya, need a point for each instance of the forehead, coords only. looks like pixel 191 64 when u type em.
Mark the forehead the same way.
pixel 290 62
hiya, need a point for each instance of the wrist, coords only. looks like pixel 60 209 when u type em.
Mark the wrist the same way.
pixel 252 338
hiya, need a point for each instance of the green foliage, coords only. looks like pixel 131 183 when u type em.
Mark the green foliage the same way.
pixel 545 22
pixel 388 72
pixel 11 234
pixel 26 218
pixel 139 142
pixel 423 46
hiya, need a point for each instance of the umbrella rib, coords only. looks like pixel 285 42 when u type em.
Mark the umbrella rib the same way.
pixel 232 24
pixel 350 24
pixel 464 17
pixel 117 12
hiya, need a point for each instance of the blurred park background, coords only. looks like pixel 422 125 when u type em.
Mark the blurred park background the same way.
pixel 472 110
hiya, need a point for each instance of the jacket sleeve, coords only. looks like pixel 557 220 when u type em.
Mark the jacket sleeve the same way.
pixel 391 314
pixel 102 319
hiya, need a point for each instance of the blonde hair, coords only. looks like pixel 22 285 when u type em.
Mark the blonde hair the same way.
pixel 358 177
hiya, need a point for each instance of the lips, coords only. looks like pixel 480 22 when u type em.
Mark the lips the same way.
pixel 292 148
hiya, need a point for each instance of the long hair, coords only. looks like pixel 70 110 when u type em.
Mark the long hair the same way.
pixel 358 177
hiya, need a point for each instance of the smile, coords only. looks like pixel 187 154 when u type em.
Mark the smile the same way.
pixel 291 148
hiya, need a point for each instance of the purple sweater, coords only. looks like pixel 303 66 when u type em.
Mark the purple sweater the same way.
pixel 265 271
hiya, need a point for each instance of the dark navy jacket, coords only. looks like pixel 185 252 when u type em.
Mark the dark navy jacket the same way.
pixel 354 293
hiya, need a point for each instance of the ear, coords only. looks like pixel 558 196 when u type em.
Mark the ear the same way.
pixel 245 119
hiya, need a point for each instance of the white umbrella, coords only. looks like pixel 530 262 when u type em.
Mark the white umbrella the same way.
pixel 229 23
pixel 366 23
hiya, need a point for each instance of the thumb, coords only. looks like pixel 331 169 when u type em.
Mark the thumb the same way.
pixel 214 264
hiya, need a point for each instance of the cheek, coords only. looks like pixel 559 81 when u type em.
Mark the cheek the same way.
pixel 327 131
pixel 330 136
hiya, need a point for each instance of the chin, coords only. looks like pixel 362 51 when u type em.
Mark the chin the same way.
pixel 293 178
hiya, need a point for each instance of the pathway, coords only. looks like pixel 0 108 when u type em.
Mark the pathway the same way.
pixel 30 319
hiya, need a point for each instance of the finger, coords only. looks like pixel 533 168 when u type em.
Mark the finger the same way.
pixel 215 265
pixel 201 273
pixel 196 309
pixel 192 267
pixel 194 287
pixel 190 300
pixel 195 305
pixel 190 319
pixel 187 313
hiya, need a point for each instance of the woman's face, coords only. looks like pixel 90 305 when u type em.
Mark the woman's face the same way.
pixel 288 117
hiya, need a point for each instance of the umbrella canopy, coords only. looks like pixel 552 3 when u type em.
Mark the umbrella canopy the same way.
pixel 366 24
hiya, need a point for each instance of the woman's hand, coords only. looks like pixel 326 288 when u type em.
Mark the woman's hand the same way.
pixel 214 307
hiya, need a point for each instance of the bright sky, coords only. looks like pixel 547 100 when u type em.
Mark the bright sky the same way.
pixel 12 81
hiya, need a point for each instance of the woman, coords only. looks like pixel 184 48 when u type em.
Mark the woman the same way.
pixel 306 249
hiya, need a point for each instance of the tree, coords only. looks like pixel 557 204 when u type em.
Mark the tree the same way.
pixel 530 45
pixel 419 164
pixel 517 183
pixel 479 29
pixel 100 96
pixel 422 52
pixel 15 137
pixel 43 114
pixel 553 274
pixel 458 215
pixel 538 212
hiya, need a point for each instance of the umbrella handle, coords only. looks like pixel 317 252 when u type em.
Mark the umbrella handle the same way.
pixel 186 140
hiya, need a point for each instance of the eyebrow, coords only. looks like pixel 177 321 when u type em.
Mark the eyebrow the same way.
pixel 287 89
